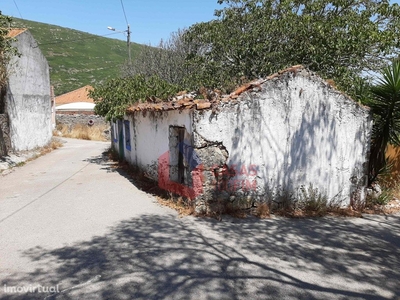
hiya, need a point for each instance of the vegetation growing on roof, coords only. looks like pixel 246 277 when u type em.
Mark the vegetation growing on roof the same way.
pixel 113 97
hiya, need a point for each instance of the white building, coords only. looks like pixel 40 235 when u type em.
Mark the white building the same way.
pixel 269 138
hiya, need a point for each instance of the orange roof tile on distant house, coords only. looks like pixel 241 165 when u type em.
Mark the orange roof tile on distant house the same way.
pixel 79 95
pixel 13 32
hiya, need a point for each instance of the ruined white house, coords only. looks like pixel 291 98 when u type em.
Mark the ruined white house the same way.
pixel 25 103
pixel 269 138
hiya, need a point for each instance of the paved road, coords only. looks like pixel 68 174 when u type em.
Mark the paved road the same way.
pixel 70 222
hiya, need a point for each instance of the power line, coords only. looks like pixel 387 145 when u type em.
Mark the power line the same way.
pixel 123 8
pixel 18 9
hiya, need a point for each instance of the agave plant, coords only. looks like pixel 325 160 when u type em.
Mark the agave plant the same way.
pixel 385 107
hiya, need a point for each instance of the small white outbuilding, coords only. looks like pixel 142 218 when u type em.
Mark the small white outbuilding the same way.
pixel 270 138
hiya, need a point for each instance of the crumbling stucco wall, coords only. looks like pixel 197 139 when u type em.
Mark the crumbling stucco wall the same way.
pixel 28 101
pixel 295 130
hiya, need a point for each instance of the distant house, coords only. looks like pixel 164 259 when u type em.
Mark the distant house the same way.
pixel 271 138
pixel 77 108
pixel 75 102
pixel 25 104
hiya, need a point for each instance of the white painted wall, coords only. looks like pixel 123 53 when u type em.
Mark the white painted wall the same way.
pixel 297 131
pixel 28 100
pixel 150 137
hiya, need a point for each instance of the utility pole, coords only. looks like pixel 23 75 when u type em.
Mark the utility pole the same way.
pixel 129 44
pixel 128 40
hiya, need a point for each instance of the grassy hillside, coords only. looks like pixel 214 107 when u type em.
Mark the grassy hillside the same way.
pixel 77 58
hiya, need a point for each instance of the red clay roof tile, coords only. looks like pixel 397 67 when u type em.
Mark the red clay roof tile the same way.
pixel 79 95
pixel 13 32
pixel 188 101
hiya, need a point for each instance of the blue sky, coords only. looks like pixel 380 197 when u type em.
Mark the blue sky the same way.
pixel 150 20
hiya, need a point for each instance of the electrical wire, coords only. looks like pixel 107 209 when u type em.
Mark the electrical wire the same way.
pixel 18 9
pixel 123 8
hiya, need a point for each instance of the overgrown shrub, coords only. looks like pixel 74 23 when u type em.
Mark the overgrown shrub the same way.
pixel 114 96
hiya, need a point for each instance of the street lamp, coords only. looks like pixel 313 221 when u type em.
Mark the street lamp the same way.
pixel 128 32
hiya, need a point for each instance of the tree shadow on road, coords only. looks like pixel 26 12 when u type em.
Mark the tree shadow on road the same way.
pixel 129 172
pixel 165 257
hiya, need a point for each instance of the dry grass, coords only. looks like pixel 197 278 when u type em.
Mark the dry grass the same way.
pixel 82 132
pixel 313 203
pixel 184 207
pixel 234 211
pixel 262 211
pixel 54 144
pixel 387 202
pixel 392 183
pixel 337 212
pixel 381 210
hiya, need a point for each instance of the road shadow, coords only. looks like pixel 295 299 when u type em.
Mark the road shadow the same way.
pixel 129 172
pixel 165 257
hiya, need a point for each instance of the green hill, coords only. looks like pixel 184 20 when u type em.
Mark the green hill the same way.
pixel 77 58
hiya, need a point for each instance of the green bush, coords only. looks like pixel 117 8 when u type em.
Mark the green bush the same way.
pixel 312 201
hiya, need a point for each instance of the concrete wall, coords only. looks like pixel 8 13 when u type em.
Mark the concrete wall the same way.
pixel 297 131
pixel 28 102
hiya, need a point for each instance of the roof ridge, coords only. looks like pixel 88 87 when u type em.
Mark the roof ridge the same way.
pixel 14 32
pixel 88 85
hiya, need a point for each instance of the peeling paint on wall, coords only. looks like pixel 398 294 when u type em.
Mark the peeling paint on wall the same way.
pixel 271 138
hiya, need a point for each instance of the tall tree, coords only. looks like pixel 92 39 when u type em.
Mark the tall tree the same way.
pixel 251 38
pixel 385 107
pixel 6 48
pixel 166 60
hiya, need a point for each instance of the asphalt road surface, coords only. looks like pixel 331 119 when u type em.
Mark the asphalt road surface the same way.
pixel 71 227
